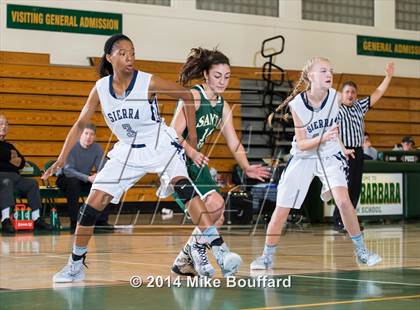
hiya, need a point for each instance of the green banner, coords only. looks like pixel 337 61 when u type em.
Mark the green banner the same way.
pixel 387 47
pixel 63 20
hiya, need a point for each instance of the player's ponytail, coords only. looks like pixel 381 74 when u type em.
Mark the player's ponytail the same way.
pixel 297 89
pixel 200 60
pixel 105 67
pixel 302 85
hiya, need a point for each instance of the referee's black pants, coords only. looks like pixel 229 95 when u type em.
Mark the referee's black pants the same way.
pixel 354 181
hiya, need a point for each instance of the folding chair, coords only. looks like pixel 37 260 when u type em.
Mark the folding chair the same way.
pixel 31 170
pixel 54 191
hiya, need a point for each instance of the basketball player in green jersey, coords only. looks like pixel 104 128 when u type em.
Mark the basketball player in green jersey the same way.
pixel 212 112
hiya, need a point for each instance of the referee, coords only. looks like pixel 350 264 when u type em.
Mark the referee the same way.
pixel 351 119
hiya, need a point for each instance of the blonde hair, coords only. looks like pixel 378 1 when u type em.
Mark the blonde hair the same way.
pixel 302 85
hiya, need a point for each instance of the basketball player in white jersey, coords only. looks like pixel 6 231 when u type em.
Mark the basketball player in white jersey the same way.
pixel 127 98
pixel 316 151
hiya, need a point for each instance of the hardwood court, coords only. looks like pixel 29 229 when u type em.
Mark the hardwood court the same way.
pixel 321 265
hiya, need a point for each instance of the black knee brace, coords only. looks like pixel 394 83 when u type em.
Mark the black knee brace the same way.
pixel 185 190
pixel 88 215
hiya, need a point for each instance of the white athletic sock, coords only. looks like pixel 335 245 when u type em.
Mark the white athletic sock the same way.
pixel 358 241
pixel 5 214
pixel 79 250
pixel 211 234
pixel 269 250
pixel 35 215
pixel 196 233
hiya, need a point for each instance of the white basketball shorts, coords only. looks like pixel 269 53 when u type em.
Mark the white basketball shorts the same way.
pixel 129 163
pixel 299 173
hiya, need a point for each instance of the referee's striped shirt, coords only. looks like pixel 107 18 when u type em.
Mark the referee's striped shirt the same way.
pixel 352 124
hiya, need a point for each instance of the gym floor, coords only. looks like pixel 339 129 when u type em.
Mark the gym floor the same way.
pixel 314 267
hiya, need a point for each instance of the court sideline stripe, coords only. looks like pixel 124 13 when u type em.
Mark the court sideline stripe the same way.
pixel 331 303
pixel 356 280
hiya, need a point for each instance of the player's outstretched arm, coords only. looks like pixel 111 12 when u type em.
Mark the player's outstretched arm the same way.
pixel 179 123
pixel 174 90
pixel 76 130
pixel 235 146
pixel 380 91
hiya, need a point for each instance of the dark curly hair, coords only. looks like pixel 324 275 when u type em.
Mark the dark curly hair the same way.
pixel 200 60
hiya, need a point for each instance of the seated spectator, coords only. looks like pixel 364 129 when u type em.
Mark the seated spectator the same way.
pixel 11 161
pixel 76 176
pixel 408 144
pixel 397 147
pixel 369 151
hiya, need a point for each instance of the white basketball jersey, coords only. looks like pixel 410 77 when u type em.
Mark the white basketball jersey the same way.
pixel 132 119
pixel 316 122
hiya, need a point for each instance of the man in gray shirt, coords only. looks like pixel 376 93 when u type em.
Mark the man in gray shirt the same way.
pixel 76 177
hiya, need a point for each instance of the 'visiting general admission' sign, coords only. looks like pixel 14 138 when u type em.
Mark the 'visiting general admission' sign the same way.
pixel 62 20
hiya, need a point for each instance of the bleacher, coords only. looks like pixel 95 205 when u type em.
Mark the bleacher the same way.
pixel 42 101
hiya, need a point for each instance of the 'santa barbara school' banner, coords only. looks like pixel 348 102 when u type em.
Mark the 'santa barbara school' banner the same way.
pixel 381 194
pixel 62 20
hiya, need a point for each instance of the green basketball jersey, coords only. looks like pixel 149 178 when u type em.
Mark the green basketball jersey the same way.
pixel 207 117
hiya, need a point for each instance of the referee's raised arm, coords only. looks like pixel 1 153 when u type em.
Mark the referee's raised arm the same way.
pixel 352 127
pixel 381 89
